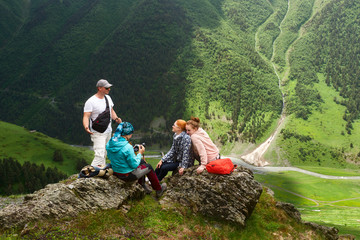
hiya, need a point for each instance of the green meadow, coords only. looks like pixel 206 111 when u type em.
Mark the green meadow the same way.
pixel 24 145
pixel 331 146
pixel 326 124
pixel 319 200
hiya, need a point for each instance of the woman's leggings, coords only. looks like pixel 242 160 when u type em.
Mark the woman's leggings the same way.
pixel 139 174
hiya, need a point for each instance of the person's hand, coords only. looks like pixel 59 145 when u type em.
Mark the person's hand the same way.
pixel 181 171
pixel 159 164
pixel 118 120
pixel 141 149
pixel 87 129
pixel 200 169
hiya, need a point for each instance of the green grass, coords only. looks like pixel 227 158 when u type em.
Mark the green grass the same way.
pixel 326 124
pixel 319 200
pixel 290 27
pixel 23 145
pixel 344 219
pixel 330 146
pixel 269 30
pixel 332 171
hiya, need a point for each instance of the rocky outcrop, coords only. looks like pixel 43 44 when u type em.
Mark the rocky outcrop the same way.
pixel 290 210
pixel 229 197
pixel 330 233
pixel 68 199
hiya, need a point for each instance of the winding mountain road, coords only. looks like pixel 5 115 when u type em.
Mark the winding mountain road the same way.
pixel 239 161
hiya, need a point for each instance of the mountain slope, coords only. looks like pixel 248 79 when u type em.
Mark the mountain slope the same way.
pixel 185 58
pixel 23 145
pixel 321 90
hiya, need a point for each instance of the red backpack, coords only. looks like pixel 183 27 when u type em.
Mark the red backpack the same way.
pixel 221 166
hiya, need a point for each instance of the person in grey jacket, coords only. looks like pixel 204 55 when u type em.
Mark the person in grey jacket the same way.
pixel 179 156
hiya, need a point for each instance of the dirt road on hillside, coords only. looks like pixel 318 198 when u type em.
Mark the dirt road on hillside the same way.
pixel 258 169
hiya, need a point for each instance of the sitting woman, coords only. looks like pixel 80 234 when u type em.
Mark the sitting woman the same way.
pixel 126 165
pixel 178 157
pixel 204 149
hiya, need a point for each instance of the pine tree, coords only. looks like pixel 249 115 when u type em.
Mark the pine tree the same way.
pixel 57 157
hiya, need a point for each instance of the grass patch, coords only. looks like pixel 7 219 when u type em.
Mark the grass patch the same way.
pixel 348 223
pixel 326 124
pixel 330 145
pixel 23 145
pixel 319 200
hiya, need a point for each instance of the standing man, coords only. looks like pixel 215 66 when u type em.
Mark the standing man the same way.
pixel 93 107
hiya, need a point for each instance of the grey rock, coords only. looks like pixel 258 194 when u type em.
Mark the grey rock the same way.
pixel 330 233
pixel 230 197
pixel 290 210
pixel 347 237
pixel 68 199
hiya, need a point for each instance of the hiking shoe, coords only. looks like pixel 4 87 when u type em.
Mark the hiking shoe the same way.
pixel 146 188
pixel 159 193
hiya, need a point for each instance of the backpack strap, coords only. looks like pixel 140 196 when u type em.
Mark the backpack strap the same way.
pixel 107 102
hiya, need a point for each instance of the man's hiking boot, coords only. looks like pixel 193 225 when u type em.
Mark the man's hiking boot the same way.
pixel 146 188
pixel 159 193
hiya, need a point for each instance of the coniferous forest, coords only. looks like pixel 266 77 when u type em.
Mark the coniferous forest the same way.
pixel 26 178
pixel 233 63
pixel 169 59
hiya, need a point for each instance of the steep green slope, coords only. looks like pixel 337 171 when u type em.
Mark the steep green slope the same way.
pixel 48 54
pixel 322 90
pixel 23 145
pixel 12 16
pixel 165 58
pixel 269 31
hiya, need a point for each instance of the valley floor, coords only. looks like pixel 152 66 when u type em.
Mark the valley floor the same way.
pixel 320 198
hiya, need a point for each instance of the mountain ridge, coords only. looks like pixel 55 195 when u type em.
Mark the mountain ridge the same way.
pixel 165 80
pixel 171 55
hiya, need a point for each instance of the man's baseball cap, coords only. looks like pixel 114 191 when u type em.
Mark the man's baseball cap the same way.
pixel 103 83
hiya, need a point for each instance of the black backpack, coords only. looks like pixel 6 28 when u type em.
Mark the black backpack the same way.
pixel 93 171
pixel 101 123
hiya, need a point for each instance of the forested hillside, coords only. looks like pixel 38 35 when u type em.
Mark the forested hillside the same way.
pixel 320 78
pixel 166 58
pixel 225 61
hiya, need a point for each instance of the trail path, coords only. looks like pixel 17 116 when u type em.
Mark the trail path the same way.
pixel 296 194
pixel 282 169
pixel 317 202
pixel 267 169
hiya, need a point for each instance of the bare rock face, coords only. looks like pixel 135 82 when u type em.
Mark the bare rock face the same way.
pixel 68 199
pixel 230 197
